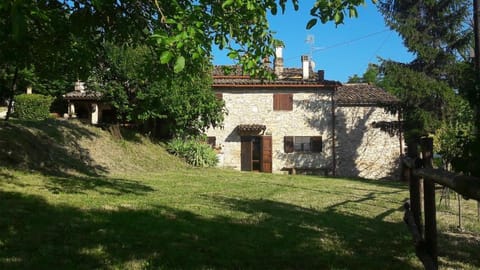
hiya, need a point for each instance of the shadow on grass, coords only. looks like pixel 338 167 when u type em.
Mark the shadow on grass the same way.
pixel 102 185
pixel 37 235
pixel 44 146
pixel 459 247
pixel 398 187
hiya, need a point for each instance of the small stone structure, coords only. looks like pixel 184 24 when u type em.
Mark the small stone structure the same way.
pixel 86 104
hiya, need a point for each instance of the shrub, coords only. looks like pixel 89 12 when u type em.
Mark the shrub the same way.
pixel 195 152
pixel 32 106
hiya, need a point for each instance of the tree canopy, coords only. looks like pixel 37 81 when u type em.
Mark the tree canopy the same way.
pixel 50 44
pixel 434 86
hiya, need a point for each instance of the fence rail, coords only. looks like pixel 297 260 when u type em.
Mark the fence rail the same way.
pixel 416 171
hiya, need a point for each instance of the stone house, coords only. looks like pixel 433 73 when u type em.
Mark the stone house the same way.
pixel 302 123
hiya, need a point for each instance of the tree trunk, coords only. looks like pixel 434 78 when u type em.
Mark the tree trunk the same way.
pixel 12 94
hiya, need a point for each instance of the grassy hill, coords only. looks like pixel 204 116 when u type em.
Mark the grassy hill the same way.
pixel 70 147
pixel 72 197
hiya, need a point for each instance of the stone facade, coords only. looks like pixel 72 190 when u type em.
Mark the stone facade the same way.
pixel 360 138
pixel 311 116
pixel 364 148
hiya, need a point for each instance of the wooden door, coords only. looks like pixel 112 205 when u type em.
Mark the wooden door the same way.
pixel 266 157
pixel 246 153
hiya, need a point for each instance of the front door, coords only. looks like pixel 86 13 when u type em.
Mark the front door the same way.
pixel 266 156
pixel 256 153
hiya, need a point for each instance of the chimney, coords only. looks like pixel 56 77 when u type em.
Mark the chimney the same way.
pixel 278 64
pixel 79 86
pixel 305 67
pixel 321 75
pixel 266 62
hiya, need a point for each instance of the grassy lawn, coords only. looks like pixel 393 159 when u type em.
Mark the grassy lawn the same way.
pixel 130 211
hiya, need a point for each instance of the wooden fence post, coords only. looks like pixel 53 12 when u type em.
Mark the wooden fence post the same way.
pixel 429 203
pixel 414 186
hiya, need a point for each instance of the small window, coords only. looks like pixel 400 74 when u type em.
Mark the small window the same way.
pixel 302 144
pixel 282 102
pixel 212 141
pixel 219 96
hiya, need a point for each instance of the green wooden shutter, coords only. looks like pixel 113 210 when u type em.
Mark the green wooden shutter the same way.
pixel 316 144
pixel 288 144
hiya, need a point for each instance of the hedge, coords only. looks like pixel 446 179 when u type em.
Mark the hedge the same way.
pixel 32 106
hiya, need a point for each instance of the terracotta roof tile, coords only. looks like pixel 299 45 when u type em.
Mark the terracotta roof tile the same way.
pixel 83 95
pixel 363 94
pixel 290 77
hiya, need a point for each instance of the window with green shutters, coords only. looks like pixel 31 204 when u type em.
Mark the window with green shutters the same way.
pixel 305 144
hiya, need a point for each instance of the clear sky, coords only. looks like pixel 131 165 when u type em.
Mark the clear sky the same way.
pixel 341 51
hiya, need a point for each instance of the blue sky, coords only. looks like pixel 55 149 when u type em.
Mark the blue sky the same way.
pixel 341 51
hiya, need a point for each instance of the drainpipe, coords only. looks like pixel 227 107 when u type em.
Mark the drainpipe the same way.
pixel 334 152
pixel 400 138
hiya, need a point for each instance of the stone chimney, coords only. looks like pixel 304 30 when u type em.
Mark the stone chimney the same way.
pixel 278 64
pixel 305 67
pixel 321 75
pixel 79 86
pixel 266 62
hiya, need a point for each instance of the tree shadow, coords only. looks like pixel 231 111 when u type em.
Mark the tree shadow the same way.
pixel 44 146
pixel 317 112
pixel 37 235
pixel 102 185
pixel 458 247
pixel 356 137
pixel 349 139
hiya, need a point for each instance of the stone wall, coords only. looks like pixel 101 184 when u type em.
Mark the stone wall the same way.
pixel 311 116
pixel 364 149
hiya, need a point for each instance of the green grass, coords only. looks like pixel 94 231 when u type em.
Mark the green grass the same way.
pixel 129 211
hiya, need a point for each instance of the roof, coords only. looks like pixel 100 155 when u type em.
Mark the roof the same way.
pixel 250 129
pixel 363 94
pixel 83 95
pixel 233 77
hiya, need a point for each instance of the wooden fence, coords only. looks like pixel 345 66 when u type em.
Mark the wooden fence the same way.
pixel 418 169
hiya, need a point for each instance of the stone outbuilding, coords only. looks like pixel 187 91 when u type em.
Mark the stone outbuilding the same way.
pixel 367 132
pixel 87 105
pixel 302 123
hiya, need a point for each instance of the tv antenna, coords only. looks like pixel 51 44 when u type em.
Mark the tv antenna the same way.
pixel 311 42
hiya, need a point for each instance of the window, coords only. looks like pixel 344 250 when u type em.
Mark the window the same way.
pixel 219 96
pixel 212 141
pixel 302 144
pixel 282 102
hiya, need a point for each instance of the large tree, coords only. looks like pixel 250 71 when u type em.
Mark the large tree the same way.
pixel 48 44
pixel 437 31
pixel 440 35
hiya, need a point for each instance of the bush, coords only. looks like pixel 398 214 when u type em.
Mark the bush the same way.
pixel 32 106
pixel 194 151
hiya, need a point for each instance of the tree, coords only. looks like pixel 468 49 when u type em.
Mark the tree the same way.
pixel 425 100
pixel 440 35
pixel 370 75
pixel 355 79
pixel 178 35
pixel 455 135
pixel 435 31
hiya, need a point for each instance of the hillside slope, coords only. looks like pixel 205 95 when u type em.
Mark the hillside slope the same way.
pixel 71 147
